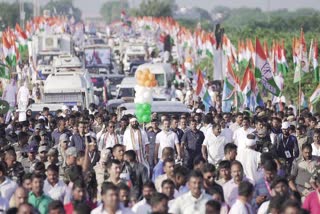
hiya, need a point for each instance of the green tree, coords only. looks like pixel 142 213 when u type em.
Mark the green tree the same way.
pixel 9 14
pixel 156 8
pixel 111 10
pixel 64 7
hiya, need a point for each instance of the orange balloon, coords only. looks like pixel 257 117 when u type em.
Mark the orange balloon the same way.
pixel 154 83
pixel 146 71
pixel 141 82
pixel 139 74
pixel 144 77
pixel 147 83
pixel 151 77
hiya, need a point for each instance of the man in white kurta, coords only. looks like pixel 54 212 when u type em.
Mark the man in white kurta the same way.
pixel 10 95
pixel 136 139
pixel 250 159
pixel 23 97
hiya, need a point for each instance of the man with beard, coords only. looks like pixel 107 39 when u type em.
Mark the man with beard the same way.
pixel 286 147
pixel 54 187
pixel 143 206
pixel 209 183
pixel 279 187
pixel 302 171
pixel 136 139
pixel 152 132
pixel 159 203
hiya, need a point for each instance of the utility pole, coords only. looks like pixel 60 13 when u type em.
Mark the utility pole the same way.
pixel 22 14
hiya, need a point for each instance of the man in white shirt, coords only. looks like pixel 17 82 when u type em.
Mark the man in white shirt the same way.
pixel 230 189
pixel 316 144
pixel 110 201
pixel 55 188
pixel 166 138
pixel 109 138
pixel 213 145
pixel 194 201
pixel 237 124
pixel 226 132
pixel 207 120
pixel 242 204
pixel 143 206
pixel 240 135
pixel 7 186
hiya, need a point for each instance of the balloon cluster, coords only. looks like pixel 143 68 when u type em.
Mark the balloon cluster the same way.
pixel 143 97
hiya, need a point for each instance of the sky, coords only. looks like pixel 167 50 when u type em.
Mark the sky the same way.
pixel 91 7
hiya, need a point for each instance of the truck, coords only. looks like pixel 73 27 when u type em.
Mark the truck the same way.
pixel 71 88
pixel 45 47
pixel 99 63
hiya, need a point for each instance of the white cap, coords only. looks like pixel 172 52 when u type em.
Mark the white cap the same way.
pixel 285 125
pixel 199 111
pixel 133 119
pixel 64 107
pixel 250 142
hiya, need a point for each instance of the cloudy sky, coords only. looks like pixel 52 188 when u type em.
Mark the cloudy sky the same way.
pixel 91 7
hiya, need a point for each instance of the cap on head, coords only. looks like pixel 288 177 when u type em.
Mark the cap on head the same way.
pixel 64 137
pixel 53 152
pixel 43 149
pixel 285 125
pixel 71 151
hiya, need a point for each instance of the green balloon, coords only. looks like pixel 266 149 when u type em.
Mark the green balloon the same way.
pixel 147 112
pixel 139 112
pixel 146 118
pixel 146 106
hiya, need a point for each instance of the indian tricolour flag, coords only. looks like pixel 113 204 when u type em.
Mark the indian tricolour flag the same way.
pixel 8 51
pixel 209 44
pixel 263 71
pixel 231 94
pixel 315 96
pixel 314 59
pixel 202 91
pixel 22 38
pixel 282 63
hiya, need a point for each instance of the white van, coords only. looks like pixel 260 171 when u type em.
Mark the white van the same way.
pixel 126 90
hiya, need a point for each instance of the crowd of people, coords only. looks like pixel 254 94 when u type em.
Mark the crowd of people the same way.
pixel 90 161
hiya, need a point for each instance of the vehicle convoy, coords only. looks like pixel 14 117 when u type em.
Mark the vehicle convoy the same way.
pixel 45 47
pixel 126 90
pixel 132 53
pixel 99 63
pixel 71 88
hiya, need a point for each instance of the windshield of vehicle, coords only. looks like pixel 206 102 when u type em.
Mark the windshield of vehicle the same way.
pixel 160 79
pixel 126 92
pixel 97 57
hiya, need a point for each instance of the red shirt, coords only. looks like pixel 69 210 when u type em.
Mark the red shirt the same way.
pixel 68 208
pixel 312 203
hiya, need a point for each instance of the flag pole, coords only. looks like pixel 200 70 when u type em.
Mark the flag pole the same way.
pixel 300 67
